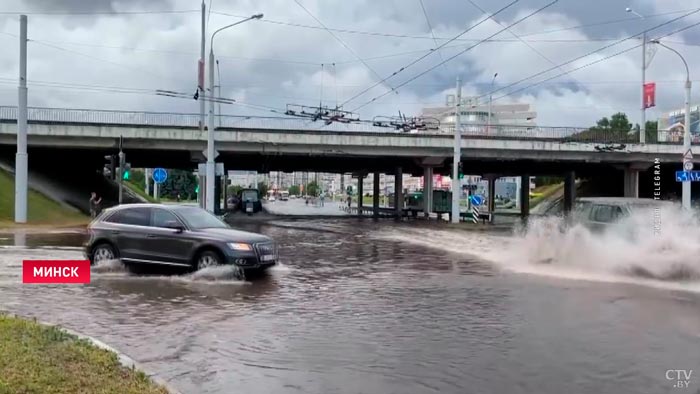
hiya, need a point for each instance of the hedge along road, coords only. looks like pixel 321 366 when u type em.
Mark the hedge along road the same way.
pixel 349 311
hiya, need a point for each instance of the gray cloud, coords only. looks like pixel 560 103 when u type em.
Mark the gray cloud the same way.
pixel 88 5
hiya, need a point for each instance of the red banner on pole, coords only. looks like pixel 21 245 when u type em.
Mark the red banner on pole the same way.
pixel 649 95
pixel 200 76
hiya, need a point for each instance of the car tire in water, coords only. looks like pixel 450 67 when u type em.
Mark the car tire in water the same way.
pixel 207 258
pixel 102 252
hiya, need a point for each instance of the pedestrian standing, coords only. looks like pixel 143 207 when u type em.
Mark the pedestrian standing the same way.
pixel 95 205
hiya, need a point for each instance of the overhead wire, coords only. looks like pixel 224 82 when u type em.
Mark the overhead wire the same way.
pixel 403 68
pixel 432 33
pixel 594 62
pixel 461 53
pixel 339 40
pixel 591 53
pixel 539 53
pixel 396 35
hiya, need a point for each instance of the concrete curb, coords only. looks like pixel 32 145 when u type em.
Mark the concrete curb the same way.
pixel 124 360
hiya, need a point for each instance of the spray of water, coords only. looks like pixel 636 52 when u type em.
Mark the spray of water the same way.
pixel 108 267
pixel 659 244
pixel 217 274
pixel 658 247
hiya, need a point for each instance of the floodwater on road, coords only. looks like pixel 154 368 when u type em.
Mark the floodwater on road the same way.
pixel 374 307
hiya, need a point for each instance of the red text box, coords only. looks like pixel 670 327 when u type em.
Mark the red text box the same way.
pixel 56 271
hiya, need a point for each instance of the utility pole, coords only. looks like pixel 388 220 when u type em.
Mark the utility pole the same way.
pixel 21 157
pixel 642 126
pixel 121 170
pixel 200 86
pixel 457 157
pixel 211 165
pixel 686 141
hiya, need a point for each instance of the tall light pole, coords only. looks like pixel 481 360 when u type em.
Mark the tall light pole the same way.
pixel 493 81
pixel 457 156
pixel 21 157
pixel 642 126
pixel 686 125
pixel 211 167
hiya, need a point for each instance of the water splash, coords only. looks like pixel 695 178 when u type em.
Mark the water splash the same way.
pixel 660 245
pixel 217 274
pixel 657 248
pixel 109 267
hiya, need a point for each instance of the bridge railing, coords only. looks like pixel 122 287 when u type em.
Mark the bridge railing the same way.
pixel 165 119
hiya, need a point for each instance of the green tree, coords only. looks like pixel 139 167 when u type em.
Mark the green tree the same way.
pixel 138 178
pixel 234 190
pixel 312 189
pixel 179 182
pixel 616 129
pixel 294 190
pixel 263 188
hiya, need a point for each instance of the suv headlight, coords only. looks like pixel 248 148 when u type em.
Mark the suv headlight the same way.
pixel 243 247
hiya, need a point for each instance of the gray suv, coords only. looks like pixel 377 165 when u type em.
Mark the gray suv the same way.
pixel 175 235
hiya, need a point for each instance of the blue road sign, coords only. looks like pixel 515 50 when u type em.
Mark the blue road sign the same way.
pixel 477 199
pixel 159 175
pixel 687 176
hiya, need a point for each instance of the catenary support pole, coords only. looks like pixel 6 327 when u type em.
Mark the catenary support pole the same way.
pixel 21 157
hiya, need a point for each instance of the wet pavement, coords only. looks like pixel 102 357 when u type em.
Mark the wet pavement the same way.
pixel 354 308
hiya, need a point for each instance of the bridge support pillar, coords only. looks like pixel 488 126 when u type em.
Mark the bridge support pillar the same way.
pixel 398 193
pixel 491 178
pixel 427 191
pixel 631 180
pixel 524 196
pixel 360 193
pixel 569 191
pixel 375 196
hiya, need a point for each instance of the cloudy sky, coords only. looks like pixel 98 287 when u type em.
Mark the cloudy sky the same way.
pixel 106 54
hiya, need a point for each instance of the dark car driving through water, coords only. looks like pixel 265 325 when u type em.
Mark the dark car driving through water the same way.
pixel 175 235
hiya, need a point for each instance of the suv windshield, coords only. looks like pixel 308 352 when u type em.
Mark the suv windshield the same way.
pixel 197 218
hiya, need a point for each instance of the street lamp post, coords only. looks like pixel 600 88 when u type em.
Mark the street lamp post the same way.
pixel 686 125
pixel 493 81
pixel 642 126
pixel 211 167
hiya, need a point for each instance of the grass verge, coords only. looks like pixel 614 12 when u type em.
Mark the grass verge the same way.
pixel 41 210
pixel 136 189
pixel 544 192
pixel 37 359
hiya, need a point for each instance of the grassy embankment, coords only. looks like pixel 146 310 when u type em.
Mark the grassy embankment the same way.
pixel 139 190
pixel 41 209
pixel 542 193
pixel 37 359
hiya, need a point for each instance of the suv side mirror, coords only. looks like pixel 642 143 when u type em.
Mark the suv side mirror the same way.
pixel 175 225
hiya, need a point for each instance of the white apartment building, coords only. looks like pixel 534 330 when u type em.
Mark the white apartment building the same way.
pixel 476 112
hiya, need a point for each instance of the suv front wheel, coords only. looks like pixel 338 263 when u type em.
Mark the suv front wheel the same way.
pixel 206 259
pixel 102 252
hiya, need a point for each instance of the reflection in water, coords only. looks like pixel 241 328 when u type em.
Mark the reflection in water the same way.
pixel 350 311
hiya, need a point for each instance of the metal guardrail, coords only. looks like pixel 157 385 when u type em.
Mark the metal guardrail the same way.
pixel 164 119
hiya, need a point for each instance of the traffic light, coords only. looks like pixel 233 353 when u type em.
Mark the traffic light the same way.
pixel 127 170
pixel 109 169
pixel 460 172
pixel 196 189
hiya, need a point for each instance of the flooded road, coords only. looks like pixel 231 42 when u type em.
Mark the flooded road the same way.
pixel 354 308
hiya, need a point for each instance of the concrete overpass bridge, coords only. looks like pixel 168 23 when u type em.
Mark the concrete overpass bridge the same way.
pixel 293 144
